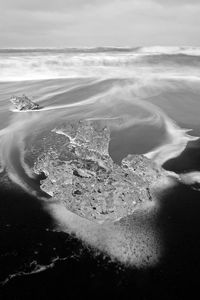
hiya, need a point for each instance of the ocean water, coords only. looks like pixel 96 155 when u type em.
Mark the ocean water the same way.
pixel 150 99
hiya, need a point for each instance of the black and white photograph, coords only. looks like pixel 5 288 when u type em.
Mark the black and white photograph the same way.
pixel 99 149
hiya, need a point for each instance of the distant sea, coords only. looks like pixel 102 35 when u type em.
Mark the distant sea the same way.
pixel 155 94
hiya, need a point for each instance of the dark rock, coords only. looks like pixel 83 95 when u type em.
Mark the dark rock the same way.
pixel 23 103
pixel 81 174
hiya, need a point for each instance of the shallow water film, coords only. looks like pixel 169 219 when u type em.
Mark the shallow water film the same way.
pixel 149 100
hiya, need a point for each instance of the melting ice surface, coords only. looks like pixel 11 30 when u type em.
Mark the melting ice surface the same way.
pixel 150 90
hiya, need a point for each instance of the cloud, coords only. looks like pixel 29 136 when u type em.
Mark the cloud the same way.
pixel 48 5
pixel 177 2
pixel 95 23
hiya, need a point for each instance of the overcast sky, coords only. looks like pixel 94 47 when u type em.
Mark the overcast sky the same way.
pixel 68 23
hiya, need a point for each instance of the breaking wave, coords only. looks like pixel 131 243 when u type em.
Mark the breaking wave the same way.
pixel 154 49
pixel 32 64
